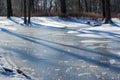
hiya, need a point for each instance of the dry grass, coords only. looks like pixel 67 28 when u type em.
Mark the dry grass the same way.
pixel 84 14
pixel 118 15
pixel 91 15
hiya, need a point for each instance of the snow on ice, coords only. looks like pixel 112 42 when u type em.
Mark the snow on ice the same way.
pixel 103 37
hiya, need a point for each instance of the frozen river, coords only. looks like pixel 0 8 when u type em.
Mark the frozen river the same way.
pixel 53 54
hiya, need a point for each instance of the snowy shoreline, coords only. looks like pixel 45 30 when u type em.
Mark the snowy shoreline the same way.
pixel 7 72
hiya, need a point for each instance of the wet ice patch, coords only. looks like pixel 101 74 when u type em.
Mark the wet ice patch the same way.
pixel 83 74
pixel 104 73
pixel 98 76
pixel 78 68
pixel 112 61
pixel 93 41
pixel 57 69
pixel 72 32
pixel 114 47
pixel 24 60
pixel 89 35
pixel 68 69
pixel 11 28
pixel 83 66
pixel 93 66
pixel 66 62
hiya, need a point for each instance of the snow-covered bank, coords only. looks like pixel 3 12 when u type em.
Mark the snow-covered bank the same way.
pixel 8 72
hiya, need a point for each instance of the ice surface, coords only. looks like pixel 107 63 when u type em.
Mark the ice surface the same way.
pixel 55 49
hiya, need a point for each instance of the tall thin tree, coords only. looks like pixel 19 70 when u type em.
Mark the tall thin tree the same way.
pixel 25 12
pixel 9 9
pixel 103 9
pixel 86 6
pixel 63 8
pixel 107 11
pixel 29 10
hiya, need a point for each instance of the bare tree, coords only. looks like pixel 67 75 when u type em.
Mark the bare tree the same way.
pixel 29 10
pixel 107 13
pixel 9 9
pixel 103 9
pixel 25 12
pixel 63 8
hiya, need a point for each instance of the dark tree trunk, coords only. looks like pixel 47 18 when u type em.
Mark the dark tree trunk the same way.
pixel 107 13
pixel 9 9
pixel 86 6
pixel 80 7
pixel 63 8
pixel 33 5
pixel 22 7
pixel 25 12
pixel 103 9
pixel 29 10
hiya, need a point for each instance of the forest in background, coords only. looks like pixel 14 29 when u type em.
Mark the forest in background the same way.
pixel 78 8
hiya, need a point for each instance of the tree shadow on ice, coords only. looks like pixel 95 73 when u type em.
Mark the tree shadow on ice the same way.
pixel 113 56
pixel 16 22
pixel 99 32
pixel 64 28
pixel 35 24
pixel 71 54
pixel 114 24
pixel 77 20
pixel 27 56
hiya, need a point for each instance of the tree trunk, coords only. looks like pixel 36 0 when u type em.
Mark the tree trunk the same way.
pixel 63 8
pixel 103 9
pixel 33 6
pixel 107 11
pixel 9 9
pixel 25 12
pixel 86 6
pixel 29 10
pixel 80 7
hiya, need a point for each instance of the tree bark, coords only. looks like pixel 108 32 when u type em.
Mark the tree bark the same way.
pixel 25 12
pixel 29 11
pixel 103 9
pixel 9 9
pixel 107 11
pixel 63 8
pixel 80 7
pixel 86 6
